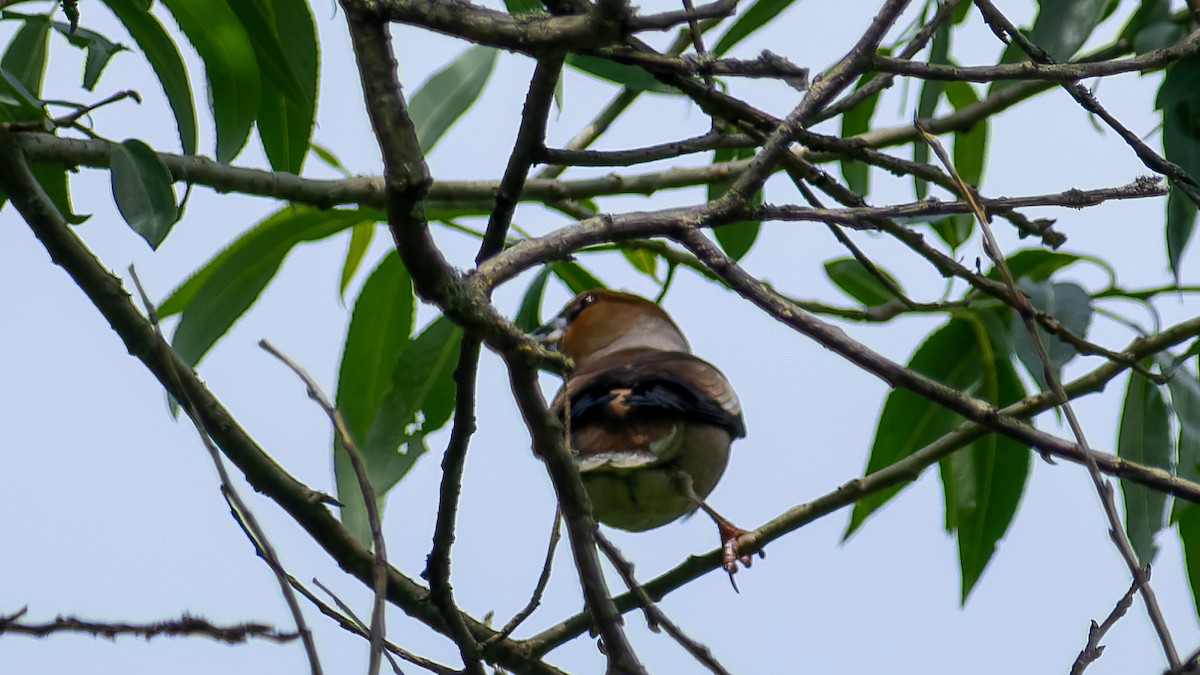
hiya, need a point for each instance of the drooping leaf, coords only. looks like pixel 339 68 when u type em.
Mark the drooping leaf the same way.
pixel 754 17
pixel 1060 29
pixel 99 51
pixel 287 110
pixel 449 93
pixel 418 383
pixel 631 77
pixel 164 59
pixel 970 147
pixel 1189 535
pixel 418 401
pixel 1066 302
pixel 221 291
pixel 983 490
pixel 379 330
pixel 855 280
pixel 529 314
pixel 1143 437
pixel 983 482
pixel 1185 405
pixel 856 121
pixel 142 188
pixel 360 240
pixel 1179 100
pixel 575 276
pixel 735 239
pixel 927 101
pixel 232 71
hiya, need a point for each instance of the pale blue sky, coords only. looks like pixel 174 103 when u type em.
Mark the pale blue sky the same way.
pixel 114 511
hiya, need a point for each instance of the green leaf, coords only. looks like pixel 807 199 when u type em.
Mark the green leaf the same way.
pixel 756 16
pixel 142 188
pixel 1189 535
pixel 983 482
pixel 735 239
pixel 25 57
pixel 981 490
pixel 631 77
pixel 221 291
pixel 642 260
pixel 1179 100
pixel 1068 303
pixel 855 280
pixel 1035 264
pixel 17 103
pixel 1185 405
pixel 164 58
pixel 1147 13
pixel 954 230
pixel 856 121
pixel 379 330
pixel 53 179
pixel 523 6
pixel 970 146
pixel 263 22
pixel 419 401
pixel 360 240
pixel 99 51
pixel 529 314
pixel 287 109
pixel 447 94
pixel 1061 28
pixel 575 276
pixel 927 101
pixel 234 79
pixel 331 160
pixel 1143 437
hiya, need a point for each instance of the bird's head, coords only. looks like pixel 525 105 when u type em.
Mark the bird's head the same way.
pixel 600 322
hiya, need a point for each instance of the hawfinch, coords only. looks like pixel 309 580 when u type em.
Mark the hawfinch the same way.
pixel 649 424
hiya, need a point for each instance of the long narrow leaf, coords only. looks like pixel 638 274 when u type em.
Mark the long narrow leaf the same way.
pixel 166 62
pixel 1143 437
pixel 379 331
pixel 287 113
pixel 449 93
pixel 234 79
pixel 221 291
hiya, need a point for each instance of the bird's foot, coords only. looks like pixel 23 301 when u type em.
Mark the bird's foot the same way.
pixel 731 555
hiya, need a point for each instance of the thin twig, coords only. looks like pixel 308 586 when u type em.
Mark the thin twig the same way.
pixel 544 578
pixel 237 505
pixel 1093 649
pixel 1103 488
pixel 185 626
pixel 378 627
pixel 654 615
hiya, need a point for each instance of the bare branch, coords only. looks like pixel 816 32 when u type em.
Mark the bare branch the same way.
pixel 185 626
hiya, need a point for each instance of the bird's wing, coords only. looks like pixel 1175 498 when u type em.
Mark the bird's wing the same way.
pixel 645 385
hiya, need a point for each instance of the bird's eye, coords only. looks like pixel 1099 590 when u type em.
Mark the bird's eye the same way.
pixel 588 299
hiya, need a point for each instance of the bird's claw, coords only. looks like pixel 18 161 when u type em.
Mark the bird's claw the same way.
pixel 731 554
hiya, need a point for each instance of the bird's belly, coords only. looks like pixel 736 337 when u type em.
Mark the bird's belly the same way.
pixel 636 500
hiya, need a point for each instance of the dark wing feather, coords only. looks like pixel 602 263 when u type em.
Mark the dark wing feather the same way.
pixel 653 382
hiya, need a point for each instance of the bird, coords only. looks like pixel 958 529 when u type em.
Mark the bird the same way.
pixel 649 424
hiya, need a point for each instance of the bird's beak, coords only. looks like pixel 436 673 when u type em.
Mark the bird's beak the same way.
pixel 550 332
